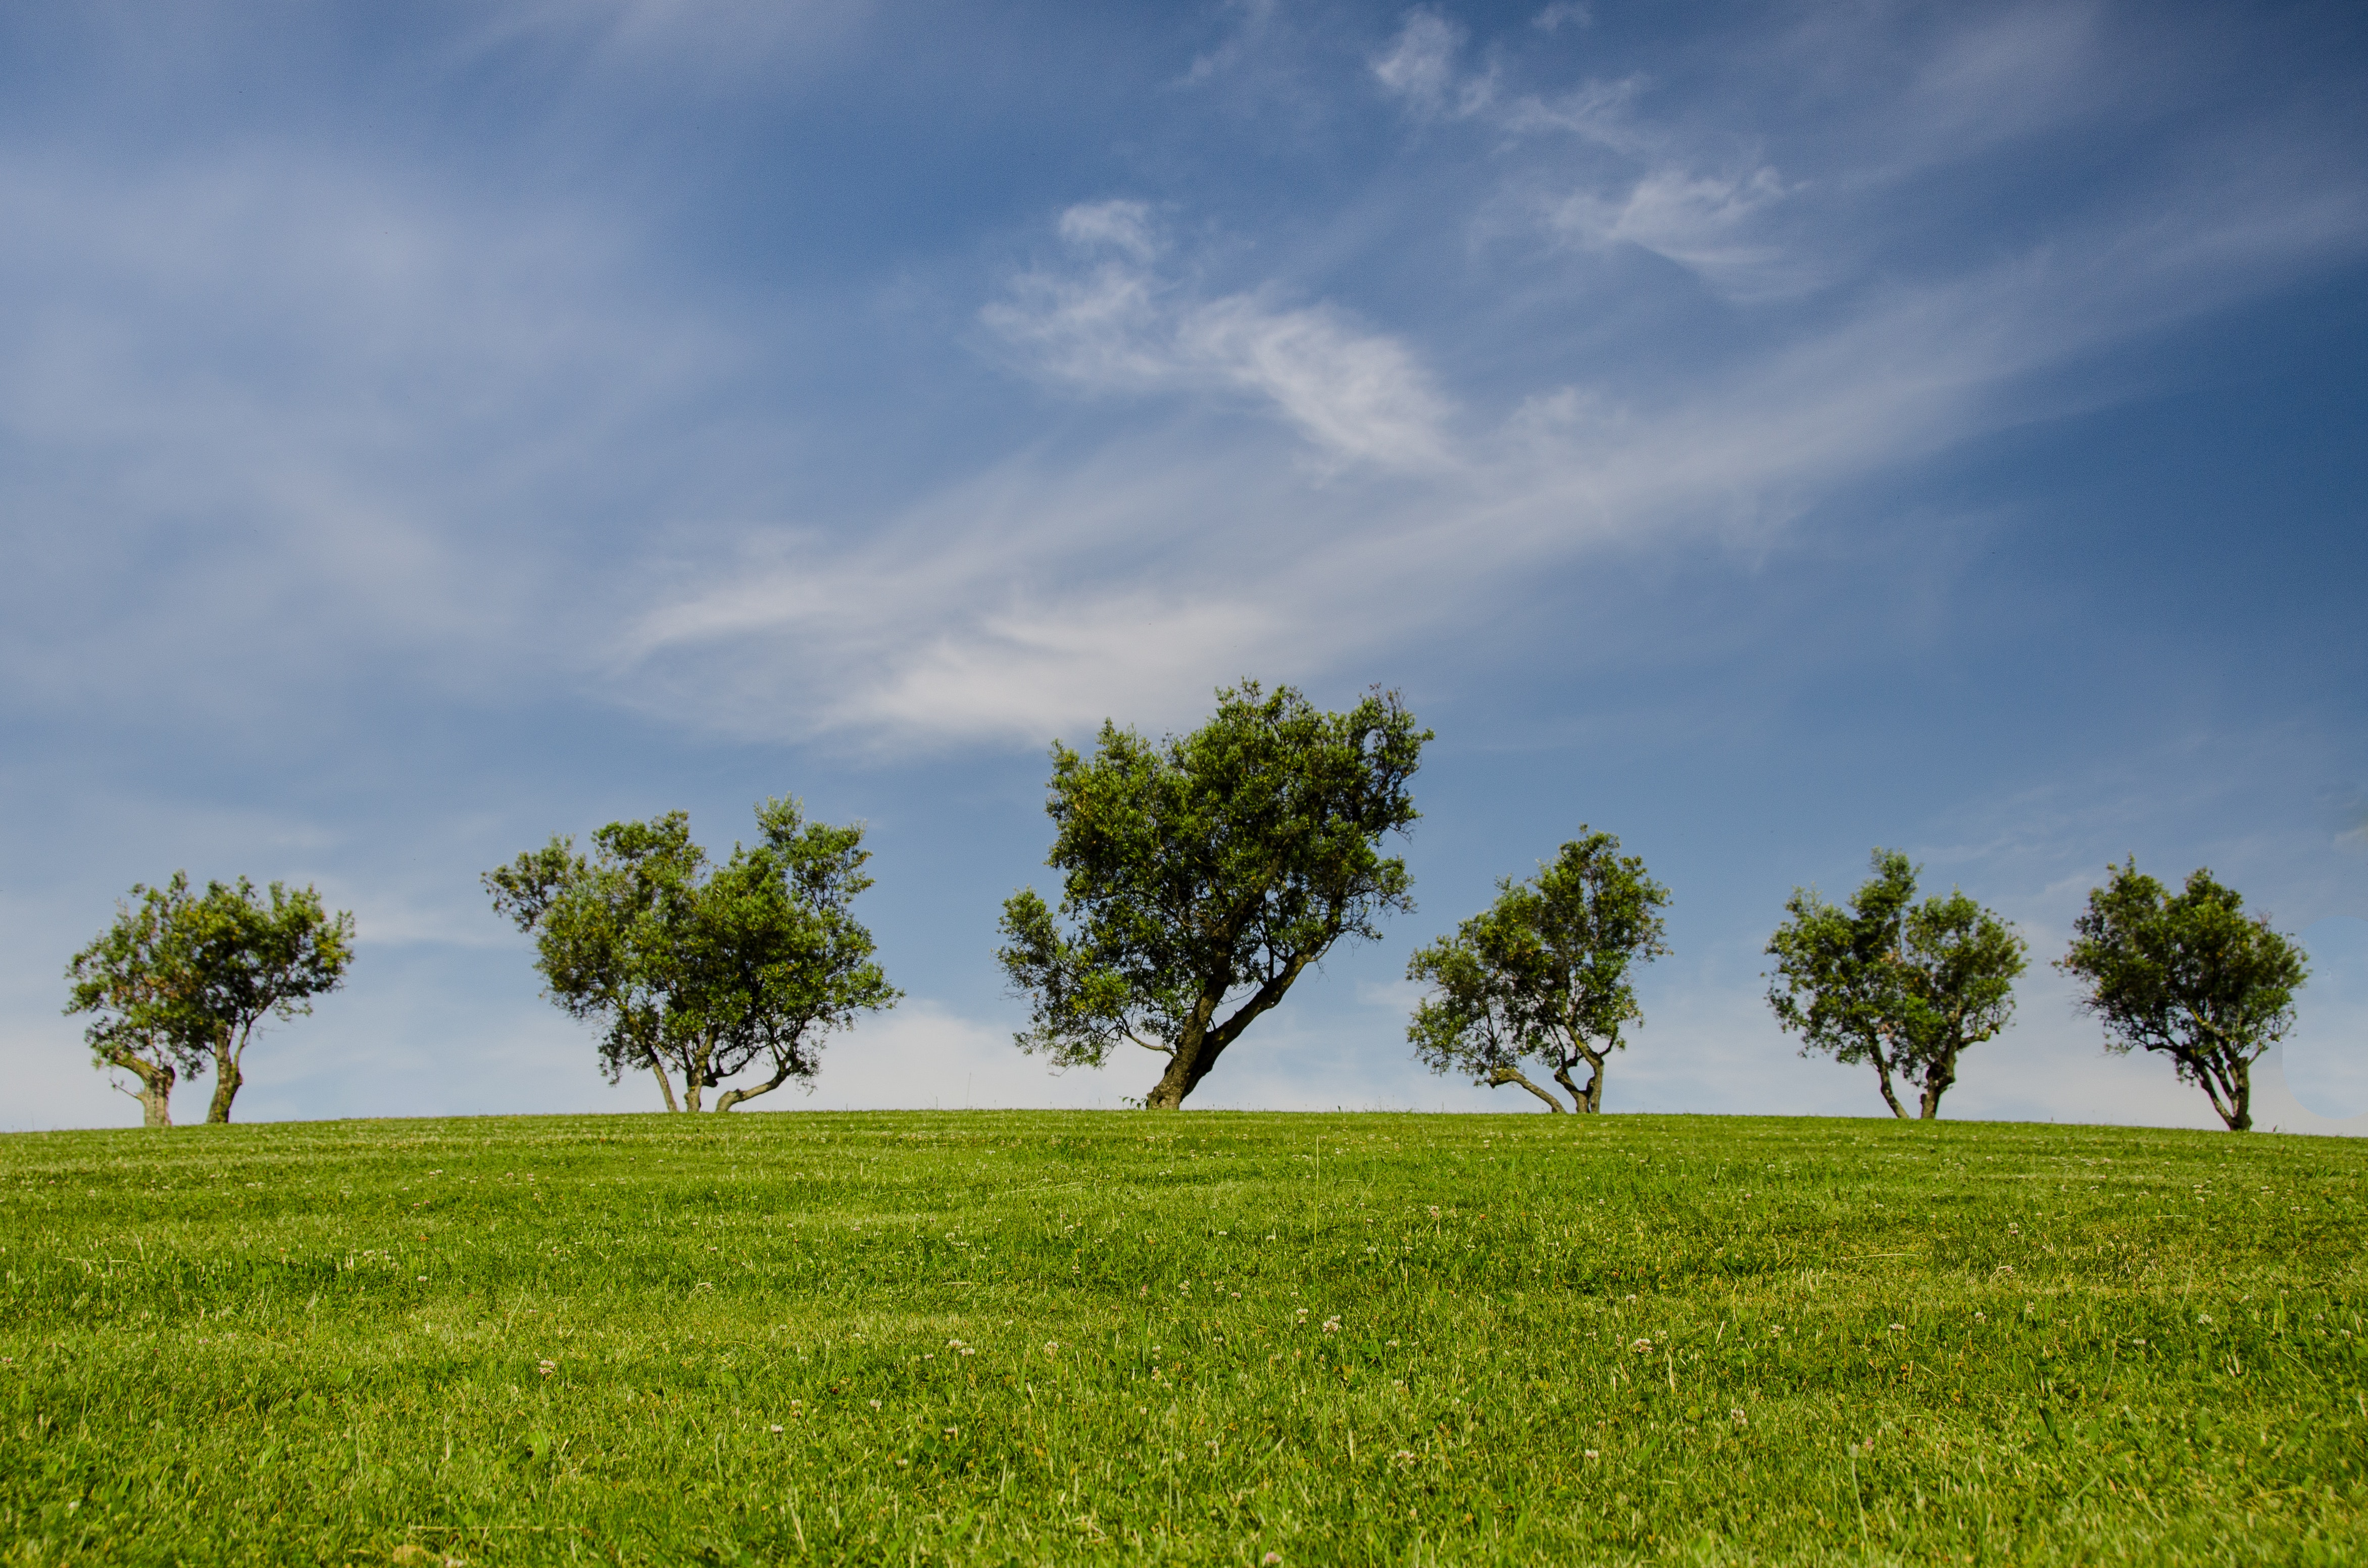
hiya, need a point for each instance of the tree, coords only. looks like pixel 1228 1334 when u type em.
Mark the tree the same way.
pixel 183 978
pixel 2189 975
pixel 1888 981
pixel 120 977
pixel 1204 873
pixel 1544 974
pixel 706 971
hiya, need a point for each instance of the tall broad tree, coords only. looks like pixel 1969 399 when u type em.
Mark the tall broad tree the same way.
pixel 1546 975
pixel 2187 974
pixel 697 970
pixel 1902 986
pixel 183 978
pixel 1204 873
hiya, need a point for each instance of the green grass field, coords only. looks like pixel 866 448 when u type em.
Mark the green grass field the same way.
pixel 1206 1337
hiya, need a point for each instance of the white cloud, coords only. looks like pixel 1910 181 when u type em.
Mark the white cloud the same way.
pixel 1115 323
pixel 1420 64
pixel 1708 224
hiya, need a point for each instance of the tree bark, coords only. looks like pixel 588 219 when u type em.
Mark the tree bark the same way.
pixel 666 1085
pixel 1589 1100
pixel 1937 1079
pixel 156 1095
pixel 1882 1076
pixel 1500 1076
pixel 731 1097
pixel 1199 1049
pixel 2239 1114
pixel 227 1079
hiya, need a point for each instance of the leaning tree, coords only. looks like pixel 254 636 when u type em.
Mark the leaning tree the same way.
pixel 1204 873
pixel 1546 975
pixel 181 978
pixel 2188 974
pixel 1903 986
pixel 699 971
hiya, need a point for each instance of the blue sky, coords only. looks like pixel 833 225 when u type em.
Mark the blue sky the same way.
pixel 1762 431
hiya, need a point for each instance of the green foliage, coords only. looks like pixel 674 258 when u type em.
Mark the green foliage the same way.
pixel 1205 872
pixel 1341 1339
pixel 2189 975
pixel 705 969
pixel 1902 986
pixel 1544 974
pixel 181 978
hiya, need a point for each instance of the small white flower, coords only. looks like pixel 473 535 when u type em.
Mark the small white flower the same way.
pixel 875 1404
pixel 1641 1347
pixel 1898 1328
pixel 1593 1455
pixel 777 1427
pixel 1740 1419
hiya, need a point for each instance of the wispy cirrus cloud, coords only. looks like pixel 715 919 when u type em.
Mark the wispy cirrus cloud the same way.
pixel 1110 321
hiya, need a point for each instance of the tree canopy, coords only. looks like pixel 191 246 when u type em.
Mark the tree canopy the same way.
pixel 180 978
pixel 1903 986
pixel 696 970
pixel 1204 873
pixel 1544 975
pixel 2188 974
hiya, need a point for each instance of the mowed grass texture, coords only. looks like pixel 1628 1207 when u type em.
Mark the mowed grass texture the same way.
pixel 1051 1337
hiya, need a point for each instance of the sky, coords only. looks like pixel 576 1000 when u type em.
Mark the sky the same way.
pixel 1762 431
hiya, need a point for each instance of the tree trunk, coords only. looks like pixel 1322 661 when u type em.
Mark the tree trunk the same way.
pixel 1589 1100
pixel 2230 1089
pixel 731 1097
pixel 1882 1076
pixel 1185 1071
pixel 227 1079
pixel 2239 1115
pixel 666 1085
pixel 1200 1046
pixel 156 1095
pixel 1500 1076
pixel 1937 1079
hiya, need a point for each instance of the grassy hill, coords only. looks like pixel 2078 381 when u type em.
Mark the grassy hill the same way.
pixel 1207 1337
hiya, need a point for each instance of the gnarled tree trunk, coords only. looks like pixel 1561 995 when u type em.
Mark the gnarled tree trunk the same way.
pixel 155 1095
pixel 1590 1099
pixel 1500 1076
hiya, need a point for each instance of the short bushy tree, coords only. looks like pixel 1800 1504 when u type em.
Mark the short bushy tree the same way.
pixel 703 972
pixel 1204 873
pixel 2188 974
pixel 1546 975
pixel 182 978
pixel 1903 986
